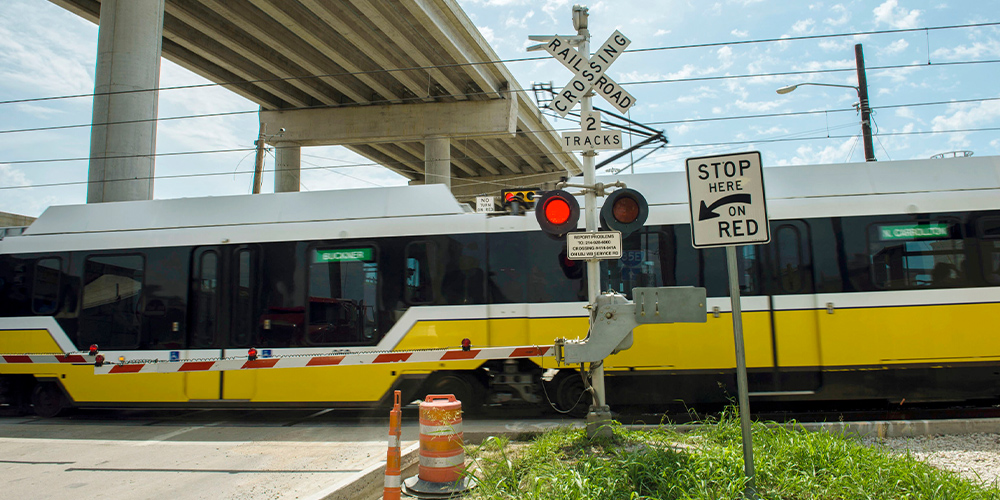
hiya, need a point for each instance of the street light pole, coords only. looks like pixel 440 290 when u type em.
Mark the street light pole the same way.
pixel 866 126
pixel 862 90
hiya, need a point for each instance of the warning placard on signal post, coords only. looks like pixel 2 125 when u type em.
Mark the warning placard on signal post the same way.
pixel 594 245
pixel 726 193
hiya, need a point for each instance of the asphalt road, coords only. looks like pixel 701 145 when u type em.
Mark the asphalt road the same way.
pixel 215 454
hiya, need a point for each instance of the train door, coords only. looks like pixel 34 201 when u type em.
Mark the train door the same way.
pixel 220 318
pixel 508 282
pixel 794 310
pixel 240 309
pixel 205 321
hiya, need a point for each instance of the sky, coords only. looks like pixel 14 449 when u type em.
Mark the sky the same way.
pixel 932 90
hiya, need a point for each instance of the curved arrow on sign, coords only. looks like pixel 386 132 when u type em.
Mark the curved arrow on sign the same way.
pixel 708 211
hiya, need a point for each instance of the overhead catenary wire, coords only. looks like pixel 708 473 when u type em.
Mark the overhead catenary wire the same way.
pixel 245 112
pixel 547 130
pixel 472 180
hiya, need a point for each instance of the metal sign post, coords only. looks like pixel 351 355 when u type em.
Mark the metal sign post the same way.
pixel 726 195
pixel 589 76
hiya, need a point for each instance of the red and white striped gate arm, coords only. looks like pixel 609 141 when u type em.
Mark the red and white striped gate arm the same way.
pixel 71 358
pixel 335 359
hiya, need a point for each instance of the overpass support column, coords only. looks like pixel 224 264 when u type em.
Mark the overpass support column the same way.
pixel 125 88
pixel 437 161
pixel 287 167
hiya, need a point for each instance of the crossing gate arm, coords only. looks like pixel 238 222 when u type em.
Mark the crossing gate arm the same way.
pixel 338 358
pixel 611 331
pixel 70 358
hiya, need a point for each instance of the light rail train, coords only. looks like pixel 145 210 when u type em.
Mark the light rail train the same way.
pixel 881 283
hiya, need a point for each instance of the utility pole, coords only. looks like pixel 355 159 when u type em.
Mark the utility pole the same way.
pixel 866 126
pixel 258 164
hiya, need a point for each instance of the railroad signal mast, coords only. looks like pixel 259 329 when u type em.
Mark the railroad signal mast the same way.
pixel 557 212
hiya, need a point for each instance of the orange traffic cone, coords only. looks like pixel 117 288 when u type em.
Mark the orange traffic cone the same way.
pixel 393 480
pixel 442 457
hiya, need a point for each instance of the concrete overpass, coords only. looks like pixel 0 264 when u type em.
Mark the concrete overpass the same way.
pixel 409 84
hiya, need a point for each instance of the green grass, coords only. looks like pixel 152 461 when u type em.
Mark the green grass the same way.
pixel 790 464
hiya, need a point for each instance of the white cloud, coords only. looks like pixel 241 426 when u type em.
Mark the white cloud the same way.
pixel 487 33
pixel 757 107
pixel 978 50
pixel 803 26
pixel 10 176
pixel 845 16
pixel 521 22
pixel 807 155
pixel 557 11
pixel 739 33
pixel 661 32
pixel 906 113
pixel 898 17
pixel 964 116
pixel 895 47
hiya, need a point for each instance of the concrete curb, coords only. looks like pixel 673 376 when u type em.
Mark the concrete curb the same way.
pixel 367 483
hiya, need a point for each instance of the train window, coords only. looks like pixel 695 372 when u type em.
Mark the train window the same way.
pixel 714 271
pixel 507 267
pixel 245 277
pixel 792 258
pixel 641 264
pixel 551 277
pixel 205 300
pixel 989 244
pixel 343 287
pixel 917 254
pixel 420 257
pixel 664 257
pixel 112 294
pixel 45 286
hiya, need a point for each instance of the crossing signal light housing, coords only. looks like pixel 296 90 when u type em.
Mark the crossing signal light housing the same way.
pixel 526 197
pixel 557 212
pixel 624 210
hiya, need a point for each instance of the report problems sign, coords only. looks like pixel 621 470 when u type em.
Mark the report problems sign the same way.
pixel 726 194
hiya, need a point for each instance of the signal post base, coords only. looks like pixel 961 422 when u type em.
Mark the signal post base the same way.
pixel 599 422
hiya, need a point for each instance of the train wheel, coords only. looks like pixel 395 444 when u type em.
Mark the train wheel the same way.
pixel 47 400
pixel 466 389
pixel 571 397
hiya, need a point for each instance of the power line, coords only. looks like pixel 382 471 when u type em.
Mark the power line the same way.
pixel 665 122
pixel 552 130
pixel 536 174
pixel 501 61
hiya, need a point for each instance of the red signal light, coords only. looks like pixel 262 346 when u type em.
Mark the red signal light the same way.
pixel 252 354
pixel 93 349
pixel 624 210
pixel 466 345
pixel 99 360
pixel 557 212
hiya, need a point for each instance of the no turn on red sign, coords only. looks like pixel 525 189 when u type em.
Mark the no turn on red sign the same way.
pixel 726 195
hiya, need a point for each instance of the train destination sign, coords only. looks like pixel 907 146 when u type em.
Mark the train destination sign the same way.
pixel 726 195
pixel 932 231
pixel 594 245
pixel 589 73
pixel 343 255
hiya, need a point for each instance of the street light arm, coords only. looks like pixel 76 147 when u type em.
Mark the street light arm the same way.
pixel 785 90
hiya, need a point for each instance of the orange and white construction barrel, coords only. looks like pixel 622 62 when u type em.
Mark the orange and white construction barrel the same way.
pixel 442 455
pixel 393 479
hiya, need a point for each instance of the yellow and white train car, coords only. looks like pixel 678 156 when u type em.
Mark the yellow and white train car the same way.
pixel 881 282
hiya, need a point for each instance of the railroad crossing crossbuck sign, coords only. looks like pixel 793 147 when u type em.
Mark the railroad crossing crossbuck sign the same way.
pixel 590 73
pixel 726 195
